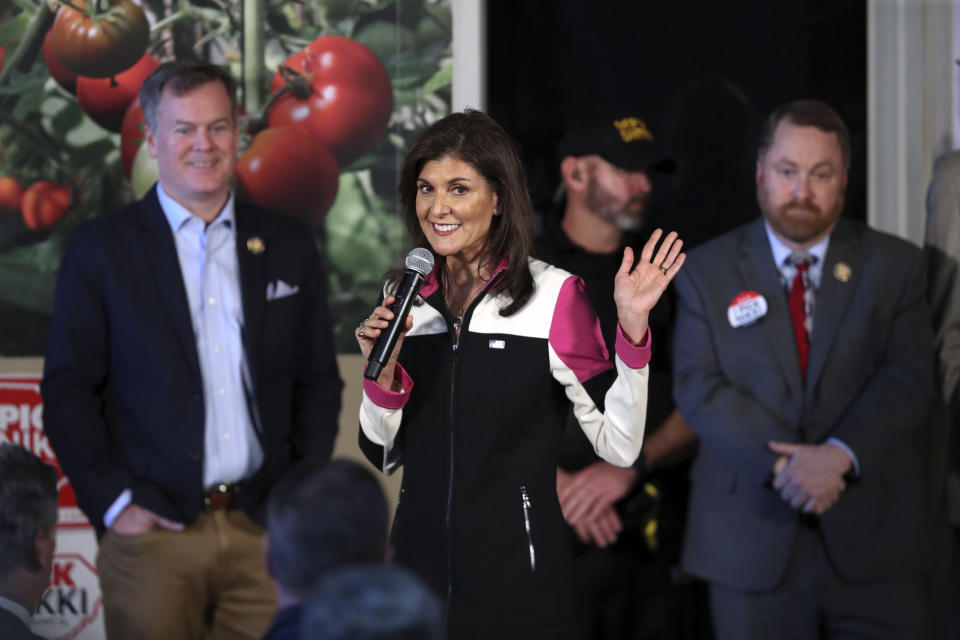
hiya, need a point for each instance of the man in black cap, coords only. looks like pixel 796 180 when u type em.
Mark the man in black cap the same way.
pixel 628 522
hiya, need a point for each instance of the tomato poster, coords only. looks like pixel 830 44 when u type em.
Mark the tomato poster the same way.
pixel 332 92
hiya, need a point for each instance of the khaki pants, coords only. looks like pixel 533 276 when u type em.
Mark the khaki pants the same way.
pixel 205 582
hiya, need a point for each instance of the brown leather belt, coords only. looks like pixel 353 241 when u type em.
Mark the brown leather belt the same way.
pixel 220 496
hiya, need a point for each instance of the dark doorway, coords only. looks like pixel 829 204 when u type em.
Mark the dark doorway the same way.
pixel 703 74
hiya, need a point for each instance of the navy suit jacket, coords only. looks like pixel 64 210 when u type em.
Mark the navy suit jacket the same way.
pixel 869 383
pixel 122 389
pixel 12 628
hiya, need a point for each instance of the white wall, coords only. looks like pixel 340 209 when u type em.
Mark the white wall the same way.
pixel 469 54
pixel 912 88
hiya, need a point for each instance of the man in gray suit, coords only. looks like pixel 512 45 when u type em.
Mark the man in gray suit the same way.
pixel 28 519
pixel 942 248
pixel 803 359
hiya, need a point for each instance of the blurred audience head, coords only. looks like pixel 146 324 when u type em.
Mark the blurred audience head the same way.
pixel 321 518
pixel 372 603
pixel 28 520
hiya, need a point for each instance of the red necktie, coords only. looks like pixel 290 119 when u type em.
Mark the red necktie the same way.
pixel 798 316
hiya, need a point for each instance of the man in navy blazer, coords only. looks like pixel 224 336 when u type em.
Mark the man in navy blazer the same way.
pixel 189 364
pixel 808 511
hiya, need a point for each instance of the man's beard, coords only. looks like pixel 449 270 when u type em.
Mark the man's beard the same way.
pixel 798 229
pixel 621 217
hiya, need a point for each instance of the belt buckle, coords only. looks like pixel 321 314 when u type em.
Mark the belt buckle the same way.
pixel 218 497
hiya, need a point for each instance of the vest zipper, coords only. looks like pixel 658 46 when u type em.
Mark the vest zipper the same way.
pixel 525 501
pixel 449 515
pixel 454 365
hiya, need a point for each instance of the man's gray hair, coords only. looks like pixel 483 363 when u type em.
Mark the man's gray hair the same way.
pixel 28 504
pixel 182 76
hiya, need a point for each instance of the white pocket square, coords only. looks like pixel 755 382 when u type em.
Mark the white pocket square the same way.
pixel 280 289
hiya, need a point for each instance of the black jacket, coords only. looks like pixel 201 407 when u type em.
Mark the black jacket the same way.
pixel 478 436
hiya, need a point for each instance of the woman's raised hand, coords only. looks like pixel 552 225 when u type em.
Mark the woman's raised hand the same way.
pixel 636 291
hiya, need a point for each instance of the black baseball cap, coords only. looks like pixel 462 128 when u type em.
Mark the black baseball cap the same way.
pixel 621 138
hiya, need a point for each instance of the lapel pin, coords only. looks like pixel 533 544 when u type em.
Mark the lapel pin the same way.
pixel 842 271
pixel 255 245
pixel 746 308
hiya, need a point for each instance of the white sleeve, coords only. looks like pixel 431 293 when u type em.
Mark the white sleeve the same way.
pixel 609 402
pixel 381 411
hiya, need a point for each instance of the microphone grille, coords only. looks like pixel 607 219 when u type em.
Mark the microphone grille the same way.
pixel 420 260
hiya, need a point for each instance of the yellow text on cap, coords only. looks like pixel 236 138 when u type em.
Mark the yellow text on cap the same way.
pixel 633 129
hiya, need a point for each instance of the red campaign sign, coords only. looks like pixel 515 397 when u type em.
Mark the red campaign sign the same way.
pixel 72 604
pixel 21 423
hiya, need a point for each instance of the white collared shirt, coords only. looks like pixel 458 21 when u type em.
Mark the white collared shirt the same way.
pixel 787 271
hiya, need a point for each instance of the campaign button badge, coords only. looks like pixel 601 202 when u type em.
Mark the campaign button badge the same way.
pixel 255 245
pixel 747 307
pixel 842 272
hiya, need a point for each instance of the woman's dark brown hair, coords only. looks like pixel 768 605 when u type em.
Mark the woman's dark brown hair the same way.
pixel 477 139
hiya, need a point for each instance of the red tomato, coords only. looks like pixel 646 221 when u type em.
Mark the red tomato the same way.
pixel 3 52
pixel 10 194
pixel 290 170
pixel 102 49
pixel 63 76
pixel 44 203
pixel 132 133
pixel 351 99
pixel 106 99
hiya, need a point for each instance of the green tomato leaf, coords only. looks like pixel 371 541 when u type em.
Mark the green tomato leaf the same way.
pixel 371 6
pixel 374 160
pixel 43 256
pixel 29 101
pixel 440 13
pixel 347 209
pixel 67 118
pixel 93 154
pixel 27 287
pixel 335 10
pixel 29 81
pixel 11 30
pixel 442 78
pixel 386 39
pixel 411 71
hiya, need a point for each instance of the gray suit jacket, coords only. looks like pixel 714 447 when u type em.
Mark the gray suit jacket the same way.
pixel 942 247
pixel 869 383
pixel 12 628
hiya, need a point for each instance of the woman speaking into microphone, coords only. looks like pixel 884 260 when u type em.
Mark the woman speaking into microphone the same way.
pixel 473 398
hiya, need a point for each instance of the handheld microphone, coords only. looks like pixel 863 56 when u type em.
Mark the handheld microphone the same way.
pixel 419 264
